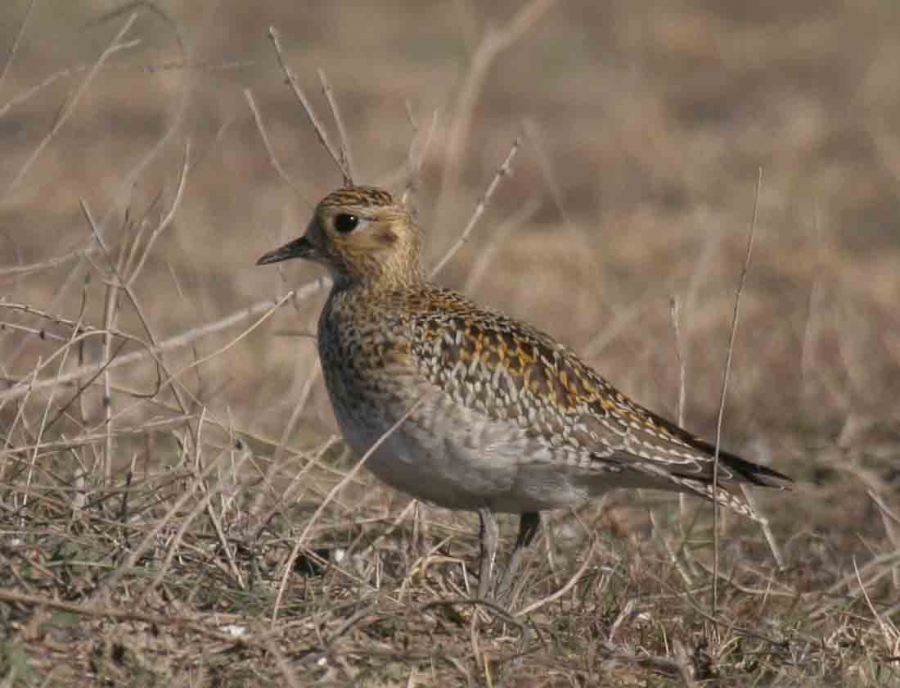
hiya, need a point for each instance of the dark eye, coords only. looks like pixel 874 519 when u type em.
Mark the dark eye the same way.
pixel 345 223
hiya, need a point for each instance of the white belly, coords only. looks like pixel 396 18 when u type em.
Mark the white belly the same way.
pixel 455 457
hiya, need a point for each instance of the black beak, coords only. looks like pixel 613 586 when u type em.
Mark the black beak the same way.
pixel 298 248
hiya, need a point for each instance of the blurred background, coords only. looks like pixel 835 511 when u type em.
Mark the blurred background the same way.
pixel 643 129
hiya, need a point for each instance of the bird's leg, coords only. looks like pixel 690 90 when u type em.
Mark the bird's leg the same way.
pixel 528 526
pixel 489 533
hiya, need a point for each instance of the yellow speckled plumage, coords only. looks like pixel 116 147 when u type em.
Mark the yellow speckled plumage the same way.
pixel 509 420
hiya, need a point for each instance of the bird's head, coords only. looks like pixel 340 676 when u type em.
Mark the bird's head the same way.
pixel 362 235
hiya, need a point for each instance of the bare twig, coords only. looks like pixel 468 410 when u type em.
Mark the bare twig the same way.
pixel 891 523
pixel 15 45
pixel 257 117
pixel 40 333
pixel 494 42
pixel 126 286
pixel 204 504
pixel 183 339
pixel 167 218
pixel 497 610
pixel 731 339
pixel 537 604
pixel 891 519
pixel 282 663
pixel 110 315
pixel 109 583
pixel 125 187
pixel 27 309
pixel 622 320
pixel 288 430
pixel 346 156
pixel 891 636
pixel 307 106
pixel 211 492
pixel 69 106
pixel 418 151
pixel 46 264
pixel 162 620
pixel 145 428
pixel 684 664
pixel 766 528
pixel 502 171
pixel 491 247
pixel 675 313
pixel 30 92
pixel 32 462
pixel 675 319
pixel 289 565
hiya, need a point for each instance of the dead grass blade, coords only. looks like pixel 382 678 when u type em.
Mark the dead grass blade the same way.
pixel 504 170
pixel 346 156
pixel 721 416
pixel 69 106
pixel 289 565
pixel 537 604
pixel 308 109
pixel 260 127
pixel 266 307
pixel 13 49
pixel 492 45
pixel 418 152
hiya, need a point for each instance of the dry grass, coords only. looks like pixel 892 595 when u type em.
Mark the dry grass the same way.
pixel 167 444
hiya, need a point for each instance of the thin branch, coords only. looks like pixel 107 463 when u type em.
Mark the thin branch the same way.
pixel 346 157
pixel 277 457
pixel 537 604
pixel 205 504
pixel 282 663
pixel 46 264
pixel 70 443
pixel 110 315
pixel 305 104
pixel 15 46
pixel 494 42
pixel 109 583
pixel 289 565
pixel 40 432
pixel 162 620
pixel 766 528
pixel 889 641
pixel 491 247
pixel 32 91
pixel 210 493
pixel 266 307
pixel 39 333
pixel 684 664
pixel 126 286
pixel 415 159
pixel 257 117
pixel 167 219
pixel 70 104
pixel 731 339
pixel 675 314
pixel 504 170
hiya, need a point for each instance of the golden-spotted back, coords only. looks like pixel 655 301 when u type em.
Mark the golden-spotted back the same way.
pixel 504 418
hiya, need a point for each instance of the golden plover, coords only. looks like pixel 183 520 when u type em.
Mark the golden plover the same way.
pixel 504 419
